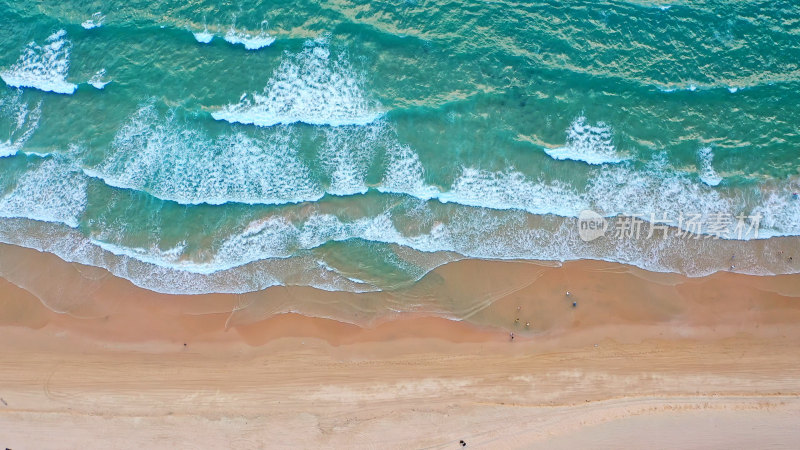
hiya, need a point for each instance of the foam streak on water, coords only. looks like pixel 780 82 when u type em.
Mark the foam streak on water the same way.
pixel 312 87
pixel 707 173
pixel 250 42
pixel 51 190
pixel 95 22
pixel 17 121
pixel 43 67
pixel 203 37
pixel 347 155
pixel 172 161
pixel 405 174
pixel 97 79
pixel 512 190
pixel 587 143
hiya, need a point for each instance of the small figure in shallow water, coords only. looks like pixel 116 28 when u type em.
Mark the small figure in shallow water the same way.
pixel 574 304
pixel 512 336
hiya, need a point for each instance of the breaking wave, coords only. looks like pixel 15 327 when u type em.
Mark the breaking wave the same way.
pixel 43 67
pixel 592 144
pixel 313 87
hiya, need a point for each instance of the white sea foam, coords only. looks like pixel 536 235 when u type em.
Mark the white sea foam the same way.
pixel 203 37
pixel 97 79
pixel 704 87
pixel 312 87
pixel 272 250
pixel 95 22
pixel 708 175
pixel 277 237
pixel 659 192
pixel 124 261
pixel 587 143
pixel 269 238
pixel 168 158
pixel 168 259
pixel 779 210
pixel 512 190
pixel 17 122
pixel 623 190
pixel 249 41
pixel 164 156
pixel 405 174
pixel 474 233
pixel 51 190
pixel 43 67
pixel 172 161
pixel 272 237
pixel 262 250
pixel 346 156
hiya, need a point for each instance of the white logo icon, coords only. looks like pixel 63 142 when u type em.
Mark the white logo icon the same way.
pixel 591 225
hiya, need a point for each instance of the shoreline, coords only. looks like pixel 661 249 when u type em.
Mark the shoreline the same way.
pixel 700 359
pixel 694 257
pixel 525 297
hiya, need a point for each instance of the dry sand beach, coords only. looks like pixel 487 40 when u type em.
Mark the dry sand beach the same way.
pixel 651 360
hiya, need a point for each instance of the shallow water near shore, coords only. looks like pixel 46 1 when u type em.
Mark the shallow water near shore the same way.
pixel 530 299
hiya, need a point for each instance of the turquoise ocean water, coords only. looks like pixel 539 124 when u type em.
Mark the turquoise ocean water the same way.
pixel 204 146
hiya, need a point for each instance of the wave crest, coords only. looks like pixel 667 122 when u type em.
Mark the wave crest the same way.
pixel 52 189
pixel 312 87
pixel 17 122
pixel 592 144
pixel 43 67
pixel 249 41
pixel 171 161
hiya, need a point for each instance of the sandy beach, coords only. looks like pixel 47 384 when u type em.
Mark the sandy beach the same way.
pixel 640 358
